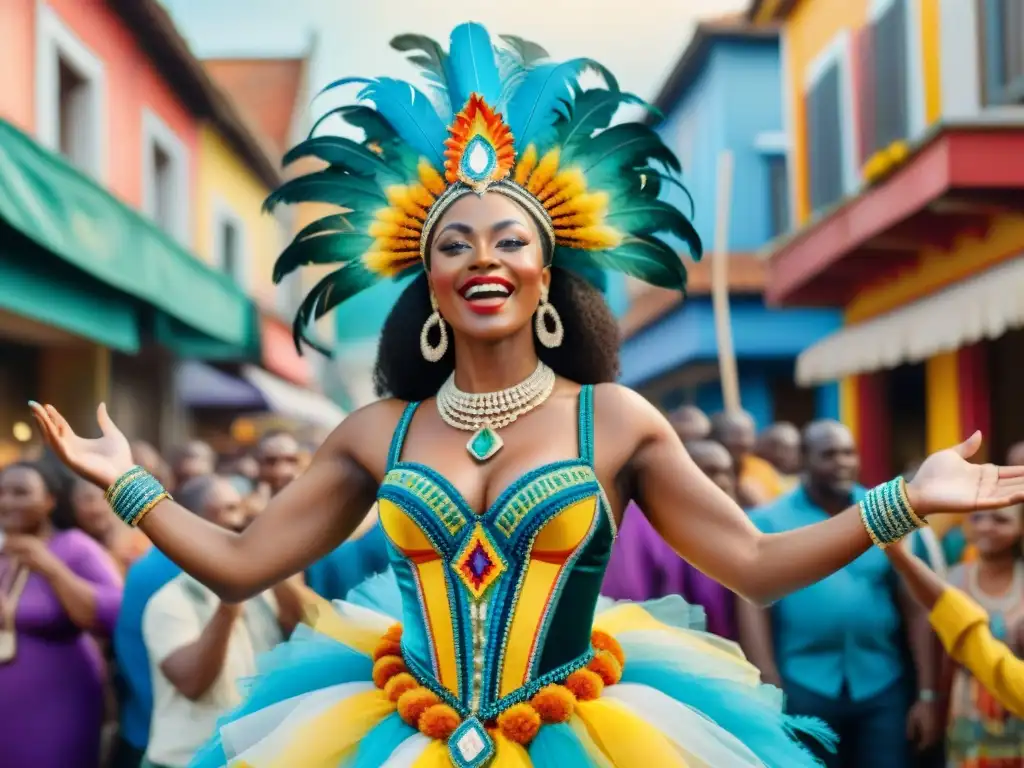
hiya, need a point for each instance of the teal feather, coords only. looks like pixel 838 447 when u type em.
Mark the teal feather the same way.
pixel 472 66
pixel 368 120
pixel 650 217
pixel 592 111
pixel 534 107
pixel 654 180
pixel 329 186
pixel 408 110
pixel 325 248
pixel 337 287
pixel 644 258
pixel 431 59
pixel 514 63
pixel 606 157
pixel 529 53
pixel 342 82
pixel 346 155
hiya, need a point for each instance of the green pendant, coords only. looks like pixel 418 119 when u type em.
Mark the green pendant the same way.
pixel 484 443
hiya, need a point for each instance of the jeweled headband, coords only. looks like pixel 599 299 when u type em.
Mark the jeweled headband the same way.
pixel 524 128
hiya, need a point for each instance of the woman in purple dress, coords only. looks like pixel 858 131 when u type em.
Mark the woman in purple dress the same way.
pixel 56 587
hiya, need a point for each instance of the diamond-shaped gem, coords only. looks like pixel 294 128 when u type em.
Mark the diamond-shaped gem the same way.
pixel 470 746
pixel 484 443
pixel 479 563
pixel 478 159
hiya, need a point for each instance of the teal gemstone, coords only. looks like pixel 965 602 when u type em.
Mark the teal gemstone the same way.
pixel 479 159
pixel 470 746
pixel 484 443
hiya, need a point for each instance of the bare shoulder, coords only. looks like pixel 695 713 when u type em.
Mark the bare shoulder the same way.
pixel 626 418
pixel 625 410
pixel 364 437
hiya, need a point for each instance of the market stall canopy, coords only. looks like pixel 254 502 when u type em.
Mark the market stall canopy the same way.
pixel 982 307
pixel 290 400
pixel 51 212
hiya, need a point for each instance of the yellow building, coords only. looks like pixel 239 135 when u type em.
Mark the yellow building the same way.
pixel 906 163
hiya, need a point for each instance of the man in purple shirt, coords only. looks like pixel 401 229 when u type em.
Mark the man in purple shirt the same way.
pixel 644 567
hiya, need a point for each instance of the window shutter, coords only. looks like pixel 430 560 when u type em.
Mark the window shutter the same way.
pixel 993 52
pixel 864 87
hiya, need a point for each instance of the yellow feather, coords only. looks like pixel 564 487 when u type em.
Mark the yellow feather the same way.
pixel 399 218
pixel 401 197
pixel 396 244
pixel 388 263
pixel 593 204
pixel 546 170
pixel 566 184
pixel 430 178
pixel 527 162
pixel 393 229
pixel 421 196
pixel 599 238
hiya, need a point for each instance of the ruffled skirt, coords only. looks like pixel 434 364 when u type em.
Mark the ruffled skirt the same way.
pixel 683 699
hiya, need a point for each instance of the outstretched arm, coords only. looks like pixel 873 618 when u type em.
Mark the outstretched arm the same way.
pixel 710 530
pixel 305 521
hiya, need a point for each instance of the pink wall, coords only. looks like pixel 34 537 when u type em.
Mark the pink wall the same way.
pixel 132 84
pixel 17 61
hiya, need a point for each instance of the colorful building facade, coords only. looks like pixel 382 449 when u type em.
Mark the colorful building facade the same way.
pixel 100 292
pixel 723 96
pixel 907 165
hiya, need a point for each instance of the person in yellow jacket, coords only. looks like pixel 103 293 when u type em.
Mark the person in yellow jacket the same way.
pixel 962 626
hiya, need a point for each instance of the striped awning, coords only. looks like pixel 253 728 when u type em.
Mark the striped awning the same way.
pixel 984 306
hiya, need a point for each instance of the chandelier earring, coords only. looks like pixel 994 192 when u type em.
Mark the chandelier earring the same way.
pixel 546 315
pixel 433 353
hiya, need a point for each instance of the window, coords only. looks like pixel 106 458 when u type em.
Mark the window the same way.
pixel 229 247
pixel 830 149
pixel 165 177
pixel 889 76
pixel 1003 31
pixel 778 191
pixel 70 95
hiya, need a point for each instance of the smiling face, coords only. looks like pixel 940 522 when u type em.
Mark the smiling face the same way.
pixel 487 267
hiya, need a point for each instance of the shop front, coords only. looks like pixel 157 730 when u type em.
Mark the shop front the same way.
pixel 927 266
pixel 102 299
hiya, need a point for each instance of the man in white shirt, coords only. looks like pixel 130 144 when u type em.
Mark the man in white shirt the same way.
pixel 199 647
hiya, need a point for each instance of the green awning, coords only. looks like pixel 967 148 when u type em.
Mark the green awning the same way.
pixel 66 213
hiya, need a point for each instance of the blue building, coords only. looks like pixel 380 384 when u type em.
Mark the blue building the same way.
pixel 725 94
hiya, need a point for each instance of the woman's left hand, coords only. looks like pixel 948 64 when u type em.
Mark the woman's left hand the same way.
pixel 32 552
pixel 947 482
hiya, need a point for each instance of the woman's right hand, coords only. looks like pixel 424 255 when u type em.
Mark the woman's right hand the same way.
pixel 101 460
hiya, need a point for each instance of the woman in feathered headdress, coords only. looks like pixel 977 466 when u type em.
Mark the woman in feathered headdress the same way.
pixel 503 456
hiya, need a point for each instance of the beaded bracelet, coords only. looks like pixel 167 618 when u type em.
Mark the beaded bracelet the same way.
pixel 887 514
pixel 134 494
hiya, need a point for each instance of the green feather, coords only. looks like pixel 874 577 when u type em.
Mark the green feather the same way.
pixel 592 111
pixel 654 180
pixel 337 287
pixel 341 189
pixel 365 118
pixel 644 216
pixel 622 146
pixel 344 154
pixel 432 58
pixel 326 248
pixel 644 258
pixel 528 53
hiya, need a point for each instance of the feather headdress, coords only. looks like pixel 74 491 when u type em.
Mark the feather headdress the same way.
pixel 524 128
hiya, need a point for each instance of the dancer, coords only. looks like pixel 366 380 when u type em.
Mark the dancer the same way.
pixel 502 456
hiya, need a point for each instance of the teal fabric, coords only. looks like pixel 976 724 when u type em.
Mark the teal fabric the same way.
pixel 845 628
pixel 67 214
pixel 34 285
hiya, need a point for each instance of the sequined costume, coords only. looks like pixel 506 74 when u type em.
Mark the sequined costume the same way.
pixel 489 644
pixel 487 650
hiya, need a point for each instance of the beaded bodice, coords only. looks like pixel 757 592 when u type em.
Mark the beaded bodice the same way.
pixel 498 604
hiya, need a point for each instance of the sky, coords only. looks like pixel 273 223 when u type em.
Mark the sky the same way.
pixel 639 40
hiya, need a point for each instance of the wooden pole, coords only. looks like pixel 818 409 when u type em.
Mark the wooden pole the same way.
pixel 720 286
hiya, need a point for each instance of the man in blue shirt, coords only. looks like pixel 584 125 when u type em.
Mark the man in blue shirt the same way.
pixel 838 648
pixel 349 565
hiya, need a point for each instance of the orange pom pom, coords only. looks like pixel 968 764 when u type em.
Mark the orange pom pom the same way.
pixel 439 722
pixel 414 703
pixel 385 668
pixel 519 723
pixel 602 641
pixel 554 703
pixel 394 633
pixel 606 667
pixel 584 684
pixel 387 647
pixel 399 684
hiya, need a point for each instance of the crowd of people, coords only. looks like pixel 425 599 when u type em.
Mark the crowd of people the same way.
pixel 109 652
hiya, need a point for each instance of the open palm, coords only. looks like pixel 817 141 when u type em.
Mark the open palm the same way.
pixel 947 482
pixel 101 460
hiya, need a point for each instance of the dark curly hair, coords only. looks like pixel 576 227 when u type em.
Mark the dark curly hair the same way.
pixel 589 353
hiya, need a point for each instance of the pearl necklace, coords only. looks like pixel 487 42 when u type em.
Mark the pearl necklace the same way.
pixel 484 413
